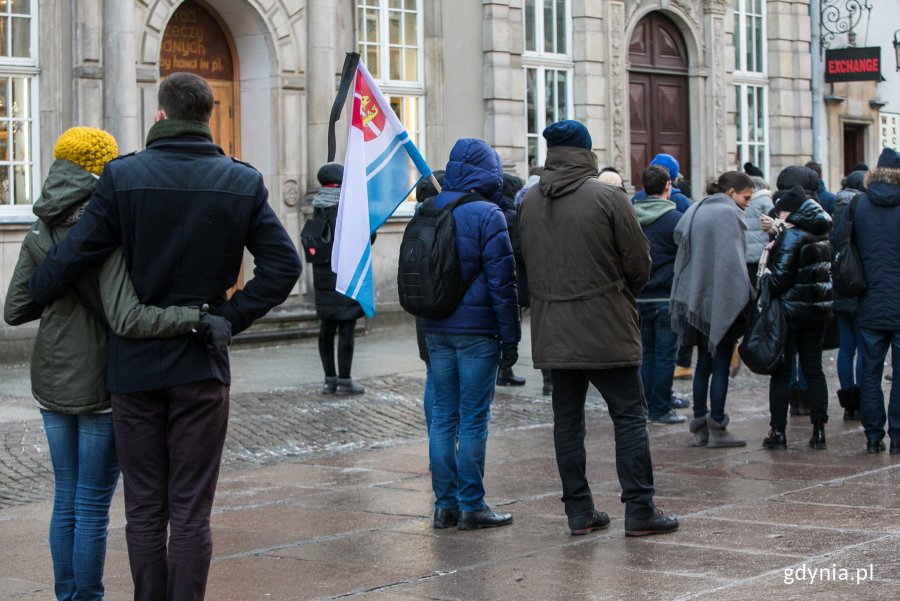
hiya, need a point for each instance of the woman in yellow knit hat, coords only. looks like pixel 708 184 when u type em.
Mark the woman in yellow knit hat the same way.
pixel 69 362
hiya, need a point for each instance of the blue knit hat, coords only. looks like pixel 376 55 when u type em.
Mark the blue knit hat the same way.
pixel 668 162
pixel 568 132
pixel 889 159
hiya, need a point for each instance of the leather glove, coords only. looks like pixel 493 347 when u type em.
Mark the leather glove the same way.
pixel 215 332
pixel 509 354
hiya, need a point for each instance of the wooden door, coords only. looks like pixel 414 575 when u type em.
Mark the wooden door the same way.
pixel 222 120
pixel 658 95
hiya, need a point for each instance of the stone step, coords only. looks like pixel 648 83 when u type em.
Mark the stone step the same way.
pixel 285 323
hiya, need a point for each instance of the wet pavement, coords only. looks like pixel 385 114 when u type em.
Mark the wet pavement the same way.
pixel 325 498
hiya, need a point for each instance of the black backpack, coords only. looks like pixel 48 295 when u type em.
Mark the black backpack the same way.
pixel 848 278
pixel 428 277
pixel 317 236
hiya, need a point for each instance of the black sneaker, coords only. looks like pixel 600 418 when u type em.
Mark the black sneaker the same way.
pixel 658 523
pixel 596 520
pixel 775 440
pixel 445 518
pixel 875 446
pixel 483 518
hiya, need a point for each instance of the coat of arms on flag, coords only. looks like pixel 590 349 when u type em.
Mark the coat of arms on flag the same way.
pixel 381 167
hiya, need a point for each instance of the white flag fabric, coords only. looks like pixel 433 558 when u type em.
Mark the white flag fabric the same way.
pixel 381 167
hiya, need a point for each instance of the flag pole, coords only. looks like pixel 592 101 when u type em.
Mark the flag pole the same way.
pixel 347 74
pixel 434 181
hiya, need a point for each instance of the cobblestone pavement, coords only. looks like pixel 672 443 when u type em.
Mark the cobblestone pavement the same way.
pixel 265 428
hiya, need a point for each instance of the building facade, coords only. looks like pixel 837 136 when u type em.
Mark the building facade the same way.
pixel 714 82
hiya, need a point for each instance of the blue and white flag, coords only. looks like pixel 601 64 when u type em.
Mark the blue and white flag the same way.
pixel 381 167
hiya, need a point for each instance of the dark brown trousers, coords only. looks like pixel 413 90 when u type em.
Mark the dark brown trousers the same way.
pixel 169 443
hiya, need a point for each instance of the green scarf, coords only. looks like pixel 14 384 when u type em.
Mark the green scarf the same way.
pixel 174 128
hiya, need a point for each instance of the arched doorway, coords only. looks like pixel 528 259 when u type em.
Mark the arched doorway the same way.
pixel 658 94
pixel 196 41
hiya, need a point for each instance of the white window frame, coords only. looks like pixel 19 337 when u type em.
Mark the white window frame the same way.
pixel 539 33
pixel 742 108
pixel 744 80
pixel 541 108
pixel 30 69
pixel 740 38
pixel 396 87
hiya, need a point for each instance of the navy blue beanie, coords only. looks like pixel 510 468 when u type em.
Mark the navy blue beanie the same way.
pixel 567 132
pixel 330 174
pixel 889 159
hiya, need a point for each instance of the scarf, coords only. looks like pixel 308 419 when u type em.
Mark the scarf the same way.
pixel 174 128
pixel 711 286
pixel 327 197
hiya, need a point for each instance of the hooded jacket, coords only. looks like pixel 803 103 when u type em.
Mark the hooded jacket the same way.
pixel 587 260
pixel 68 365
pixel 658 218
pixel 489 306
pixel 876 234
pixel 800 264
pixel 757 239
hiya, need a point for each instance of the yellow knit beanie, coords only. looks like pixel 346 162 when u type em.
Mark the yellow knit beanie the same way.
pixel 88 147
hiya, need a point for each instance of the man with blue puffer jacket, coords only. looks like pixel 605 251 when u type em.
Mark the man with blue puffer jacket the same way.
pixel 466 347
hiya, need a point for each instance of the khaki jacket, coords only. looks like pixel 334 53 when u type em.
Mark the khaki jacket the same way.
pixel 68 366
pixel 586 259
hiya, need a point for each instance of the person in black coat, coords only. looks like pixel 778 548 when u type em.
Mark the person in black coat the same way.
pixel 337 313
pixel 799 273
pixel 511 186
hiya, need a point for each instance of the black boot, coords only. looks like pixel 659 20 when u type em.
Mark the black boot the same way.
pixel 818 436
pixel 548 382
pixel 849 400
pixel 506 377
pixel 775 440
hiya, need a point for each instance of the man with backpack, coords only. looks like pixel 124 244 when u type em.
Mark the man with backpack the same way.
pixel 466 345
pixel 587 260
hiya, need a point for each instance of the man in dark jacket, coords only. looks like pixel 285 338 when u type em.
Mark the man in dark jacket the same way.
pixel 587 260
pixel 183 214
pixel 658 218
pixel 876 224
pixel 466 347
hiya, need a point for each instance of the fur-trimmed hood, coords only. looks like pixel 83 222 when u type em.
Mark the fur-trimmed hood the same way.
pixel 884 187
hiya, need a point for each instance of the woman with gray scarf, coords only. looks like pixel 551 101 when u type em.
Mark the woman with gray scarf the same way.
pixel 710 294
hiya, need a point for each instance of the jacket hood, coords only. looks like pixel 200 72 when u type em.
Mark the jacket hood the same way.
pixel 798 175
pixel 811 217
pixel 884 187
pixel 474 165
pixel 650 209
pixel 67 186
pixel 565 169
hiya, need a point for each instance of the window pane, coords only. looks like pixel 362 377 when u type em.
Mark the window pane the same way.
pixel 549 28
pixel 21 37
pixel 411 5
pixel 394 27
pixel 410 37
pixel 758 49
pixel 561 26
pixel 372 62
pixel 531 100
pixel 394 54
pixel 562 95
pixel 372 27
pixel 549 98
pixel 737 42
pixel 395 4
pixel 530 27
pixel 748 40
pixel 22 7
pixel 410 68
pixel 532 151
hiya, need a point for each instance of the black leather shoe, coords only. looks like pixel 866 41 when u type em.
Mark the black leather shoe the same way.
pixel 445 518
pixel 506 377
pixel 597 520
pixel 658 523
pixel 818 437
pixel 875 446
pixel 483 518
pixel 775 440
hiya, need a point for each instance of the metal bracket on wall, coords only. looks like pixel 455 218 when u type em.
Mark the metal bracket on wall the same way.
pixel 838 17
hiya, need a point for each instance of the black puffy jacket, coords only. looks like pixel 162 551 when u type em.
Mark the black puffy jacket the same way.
pixel 800 264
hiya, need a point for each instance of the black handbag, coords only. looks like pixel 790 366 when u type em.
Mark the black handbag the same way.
pixel 762 349
pixel 848 278
pixel 317 238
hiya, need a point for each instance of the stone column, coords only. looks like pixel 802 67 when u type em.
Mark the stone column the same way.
pixel 617 51
pixel 320 87
pixel 120 97
pixel 716 90
pixel 588 50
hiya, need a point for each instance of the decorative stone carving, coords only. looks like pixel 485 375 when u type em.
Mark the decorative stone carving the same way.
pixel 691 8
pixel 720 116
pixel 290 193
pixel 618 79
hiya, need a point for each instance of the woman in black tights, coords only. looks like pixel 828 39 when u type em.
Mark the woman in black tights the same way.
pixel 337 313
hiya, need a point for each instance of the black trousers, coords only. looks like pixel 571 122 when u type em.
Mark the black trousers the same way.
pixel 169 444
pixel 806 336
pixel 346 330
pixel 621 389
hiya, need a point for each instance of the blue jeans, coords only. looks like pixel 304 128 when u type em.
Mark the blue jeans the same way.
pixel 83 452
pixel 660 346
pixel 847 350
pixel 464 370
pixel 711 379
pixel 873 347
pixel 428 398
